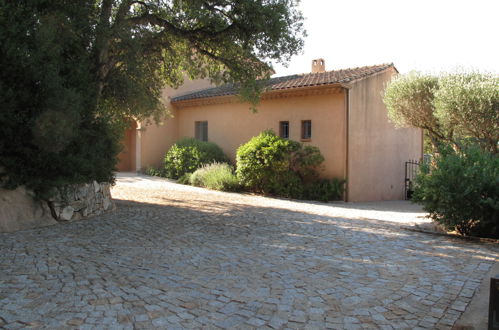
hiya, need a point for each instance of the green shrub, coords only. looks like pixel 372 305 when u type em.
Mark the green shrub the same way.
pixel 153 171
pixel 324 190
pixel 305 161
pixel 189 154
pixel 180 160
pixel 461 191
pixel 216 176
pixel 287 184
pixel 196 178
pixel 263 161
pixel 185 179
pixel 272 165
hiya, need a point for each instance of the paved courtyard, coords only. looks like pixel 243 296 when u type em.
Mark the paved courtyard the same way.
pixel 174 256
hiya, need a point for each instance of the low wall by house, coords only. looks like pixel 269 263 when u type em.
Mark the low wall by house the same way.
pixel 19 209
pixel 80 201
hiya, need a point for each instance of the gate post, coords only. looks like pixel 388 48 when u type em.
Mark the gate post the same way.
pixel 494 303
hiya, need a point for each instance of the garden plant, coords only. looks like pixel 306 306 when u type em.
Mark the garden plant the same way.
pixel 460 190
pixel 273 165
pixel 459 113
pixel 189 154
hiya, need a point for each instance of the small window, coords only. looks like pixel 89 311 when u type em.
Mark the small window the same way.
pixel 201 130
pixel 306 129
pixel 284 129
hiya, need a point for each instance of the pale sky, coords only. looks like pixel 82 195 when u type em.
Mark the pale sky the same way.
pixel 422 35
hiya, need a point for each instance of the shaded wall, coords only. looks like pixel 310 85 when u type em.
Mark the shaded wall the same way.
pixel 377 150
pixel 233 124
pixel 156 139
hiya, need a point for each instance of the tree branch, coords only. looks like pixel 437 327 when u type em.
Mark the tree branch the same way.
pixel 198 33
pixel 123 9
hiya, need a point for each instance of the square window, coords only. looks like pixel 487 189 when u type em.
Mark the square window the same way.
pixel 306 129
pixel 201 130
pixel 284 129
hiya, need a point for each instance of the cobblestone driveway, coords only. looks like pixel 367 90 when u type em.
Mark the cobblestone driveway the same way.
pixel 173 256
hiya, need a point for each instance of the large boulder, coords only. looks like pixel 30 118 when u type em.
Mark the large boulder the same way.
pixel 20 210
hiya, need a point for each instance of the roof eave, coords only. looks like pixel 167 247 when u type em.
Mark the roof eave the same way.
pixel 272 94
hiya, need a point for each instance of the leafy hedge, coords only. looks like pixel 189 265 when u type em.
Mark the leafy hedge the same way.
pixel 266 164
pixel 273 165
pixel 189 154
pixel 325 190
pixel 461 191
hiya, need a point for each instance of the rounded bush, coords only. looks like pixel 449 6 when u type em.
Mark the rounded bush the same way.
pixel 189 154
pixel 263 161
pixel 273 165
pixel 460 190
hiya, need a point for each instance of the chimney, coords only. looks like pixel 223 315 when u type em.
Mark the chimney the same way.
pixel 318 65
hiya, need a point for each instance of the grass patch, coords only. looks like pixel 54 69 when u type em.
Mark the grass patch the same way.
pixel 216 176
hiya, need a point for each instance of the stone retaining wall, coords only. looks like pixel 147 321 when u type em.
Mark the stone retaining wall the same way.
pixel 20 209
pixel 80 201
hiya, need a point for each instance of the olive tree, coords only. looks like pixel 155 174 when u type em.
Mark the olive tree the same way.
pixel 410 101
pixel 468 104
pixel 452 108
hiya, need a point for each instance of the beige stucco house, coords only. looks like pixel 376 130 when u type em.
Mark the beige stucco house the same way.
pixel 340 111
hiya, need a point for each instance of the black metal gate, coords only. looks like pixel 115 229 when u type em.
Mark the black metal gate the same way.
pixel 411 171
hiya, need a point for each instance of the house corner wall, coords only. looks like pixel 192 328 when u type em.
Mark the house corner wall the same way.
pixel 156 139
pixel 377 151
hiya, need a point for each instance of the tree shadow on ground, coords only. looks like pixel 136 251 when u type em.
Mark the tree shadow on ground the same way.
pixel 282 221
pixel 200 249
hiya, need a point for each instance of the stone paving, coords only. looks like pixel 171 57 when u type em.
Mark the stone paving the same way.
pixel 174 256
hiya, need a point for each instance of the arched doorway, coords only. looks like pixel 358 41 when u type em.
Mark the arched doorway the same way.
pixel 127 157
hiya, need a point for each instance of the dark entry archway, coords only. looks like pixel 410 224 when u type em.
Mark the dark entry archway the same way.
pixel 127 157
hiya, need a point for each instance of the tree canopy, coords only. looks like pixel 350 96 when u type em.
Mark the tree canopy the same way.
pixel 453 108
pixel 142 45
pixel 72 71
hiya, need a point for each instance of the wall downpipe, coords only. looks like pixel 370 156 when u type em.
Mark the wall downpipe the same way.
pixel 138 147
pixel 347 142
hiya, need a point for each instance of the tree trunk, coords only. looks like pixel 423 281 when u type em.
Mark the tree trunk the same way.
pixel 102 43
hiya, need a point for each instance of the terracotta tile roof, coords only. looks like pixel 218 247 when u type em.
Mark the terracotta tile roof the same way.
pixel 293 81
